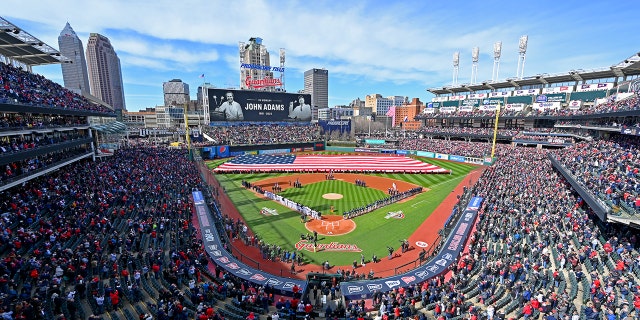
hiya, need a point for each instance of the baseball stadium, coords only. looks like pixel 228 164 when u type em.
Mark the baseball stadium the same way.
pixel 510 199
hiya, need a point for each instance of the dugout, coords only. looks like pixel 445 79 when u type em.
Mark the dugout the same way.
pixel 321 279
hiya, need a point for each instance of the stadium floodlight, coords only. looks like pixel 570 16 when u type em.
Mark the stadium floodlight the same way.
pixel 497 49
pixel 522 52
pixel 497 52
pixel 475 56
pixel 522 46
pixel 456 65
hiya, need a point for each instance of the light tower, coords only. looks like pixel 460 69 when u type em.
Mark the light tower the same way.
pixel 282 68
pixel 456 66
pixel 241 50
pixel 522 49
pixel 475 55
pixel 497 50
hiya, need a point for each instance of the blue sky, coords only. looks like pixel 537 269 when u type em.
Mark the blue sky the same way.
pixel 385 47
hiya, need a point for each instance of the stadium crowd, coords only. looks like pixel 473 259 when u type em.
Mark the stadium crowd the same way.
pixel 16 169
pixel 91 232
pixel 612 105
pixel 13 144
pixel 263 134
pixel 533 247
pixel 16 121
pixel 17 85
pixel 608 168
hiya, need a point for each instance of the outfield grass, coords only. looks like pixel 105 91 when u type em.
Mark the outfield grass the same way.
pixel 311 196
pixel 373 233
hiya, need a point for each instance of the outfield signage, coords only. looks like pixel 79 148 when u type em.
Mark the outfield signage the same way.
pixel 456 158
pixel 371 150
pixel 221 257
pixel 274 151
pixel 374 141
pixel 335 125
pixel 425 154
pixel 452 248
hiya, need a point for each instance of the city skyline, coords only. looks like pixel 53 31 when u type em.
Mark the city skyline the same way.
pixel 369 47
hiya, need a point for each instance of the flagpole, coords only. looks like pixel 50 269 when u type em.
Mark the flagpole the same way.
pixel 495 131
pixel 205 101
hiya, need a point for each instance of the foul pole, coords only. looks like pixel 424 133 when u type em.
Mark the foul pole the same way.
pixel 495 131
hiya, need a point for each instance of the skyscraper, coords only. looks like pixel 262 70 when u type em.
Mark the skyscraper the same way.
pixel 74 74
pixel 316 83
pixel 256 72
pixel 176 93
pixel 105 75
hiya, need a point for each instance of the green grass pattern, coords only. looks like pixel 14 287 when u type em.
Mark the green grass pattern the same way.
pixel 373 233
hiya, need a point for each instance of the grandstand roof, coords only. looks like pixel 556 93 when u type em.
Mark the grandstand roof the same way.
pixel 111 127
pixel 627 67
pixel 19 45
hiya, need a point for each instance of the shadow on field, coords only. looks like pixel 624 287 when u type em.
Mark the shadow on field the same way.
pixel 270 219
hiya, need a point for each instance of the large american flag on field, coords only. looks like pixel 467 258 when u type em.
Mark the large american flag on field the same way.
pixel 326 163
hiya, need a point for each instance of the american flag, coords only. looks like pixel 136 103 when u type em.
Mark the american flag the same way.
pixel 324 163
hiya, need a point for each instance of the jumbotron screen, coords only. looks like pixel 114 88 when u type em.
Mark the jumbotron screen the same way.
pixel 245 105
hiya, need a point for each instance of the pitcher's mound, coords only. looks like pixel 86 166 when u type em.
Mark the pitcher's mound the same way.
pixel 332 196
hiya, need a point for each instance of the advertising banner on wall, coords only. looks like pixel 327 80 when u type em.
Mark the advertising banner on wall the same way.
pixel 453 245
pixel 546 105
pixel 527 92
pixel 594 86
pixel 448 109
pixel 466 109
pixel 575 104
pixel 252 106
pixel 440 99
pixel 335 125
pixel 471 102
pixel 425 154
pixel 500 94
pixel 222 151
pixel 514 106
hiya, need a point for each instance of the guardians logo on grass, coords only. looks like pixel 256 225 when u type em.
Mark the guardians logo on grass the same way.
pixel 268 211
pixel 333 246
pixel 395 215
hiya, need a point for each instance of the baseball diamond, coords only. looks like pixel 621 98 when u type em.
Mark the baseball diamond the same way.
pixel 371 232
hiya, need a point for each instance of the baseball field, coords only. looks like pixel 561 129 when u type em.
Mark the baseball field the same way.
pixel 341 241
